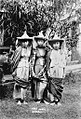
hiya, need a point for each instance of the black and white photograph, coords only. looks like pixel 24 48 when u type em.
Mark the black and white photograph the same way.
pixel 40 59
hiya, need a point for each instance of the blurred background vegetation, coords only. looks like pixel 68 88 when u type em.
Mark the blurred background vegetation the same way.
pixel 60 16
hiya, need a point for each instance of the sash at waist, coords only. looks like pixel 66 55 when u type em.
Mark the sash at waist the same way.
pixel 40 57
pixel 24 58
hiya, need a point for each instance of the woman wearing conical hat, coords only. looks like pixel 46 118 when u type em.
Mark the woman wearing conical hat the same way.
pixel 39 69
pixel 56 70
pixel 21 67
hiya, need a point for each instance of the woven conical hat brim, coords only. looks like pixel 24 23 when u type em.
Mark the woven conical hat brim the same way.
pixel 39 38
pixel 24 40
pixel 56 40
pixel 25 37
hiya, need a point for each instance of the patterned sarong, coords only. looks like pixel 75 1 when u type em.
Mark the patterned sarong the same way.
pixel 55 88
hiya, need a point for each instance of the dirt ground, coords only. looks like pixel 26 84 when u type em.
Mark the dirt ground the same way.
pixel 70 108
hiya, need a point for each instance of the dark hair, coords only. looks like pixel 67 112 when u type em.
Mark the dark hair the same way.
pixel 20 43
pixel 55 42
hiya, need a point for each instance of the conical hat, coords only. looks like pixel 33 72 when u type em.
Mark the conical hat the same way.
pixel 25 37
pixel 40 36
pixel 56 39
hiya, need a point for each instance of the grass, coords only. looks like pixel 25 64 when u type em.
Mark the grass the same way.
pixel 70 108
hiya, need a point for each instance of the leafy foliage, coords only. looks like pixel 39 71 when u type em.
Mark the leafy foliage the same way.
pixel 37 15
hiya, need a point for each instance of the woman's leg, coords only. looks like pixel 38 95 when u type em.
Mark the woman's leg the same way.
pixel 17 94
pixel 23 95
pixel 17 91
pixel 33 88
pixel 42 86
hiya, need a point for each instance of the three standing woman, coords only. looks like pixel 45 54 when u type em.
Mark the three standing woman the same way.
pixel 46 67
